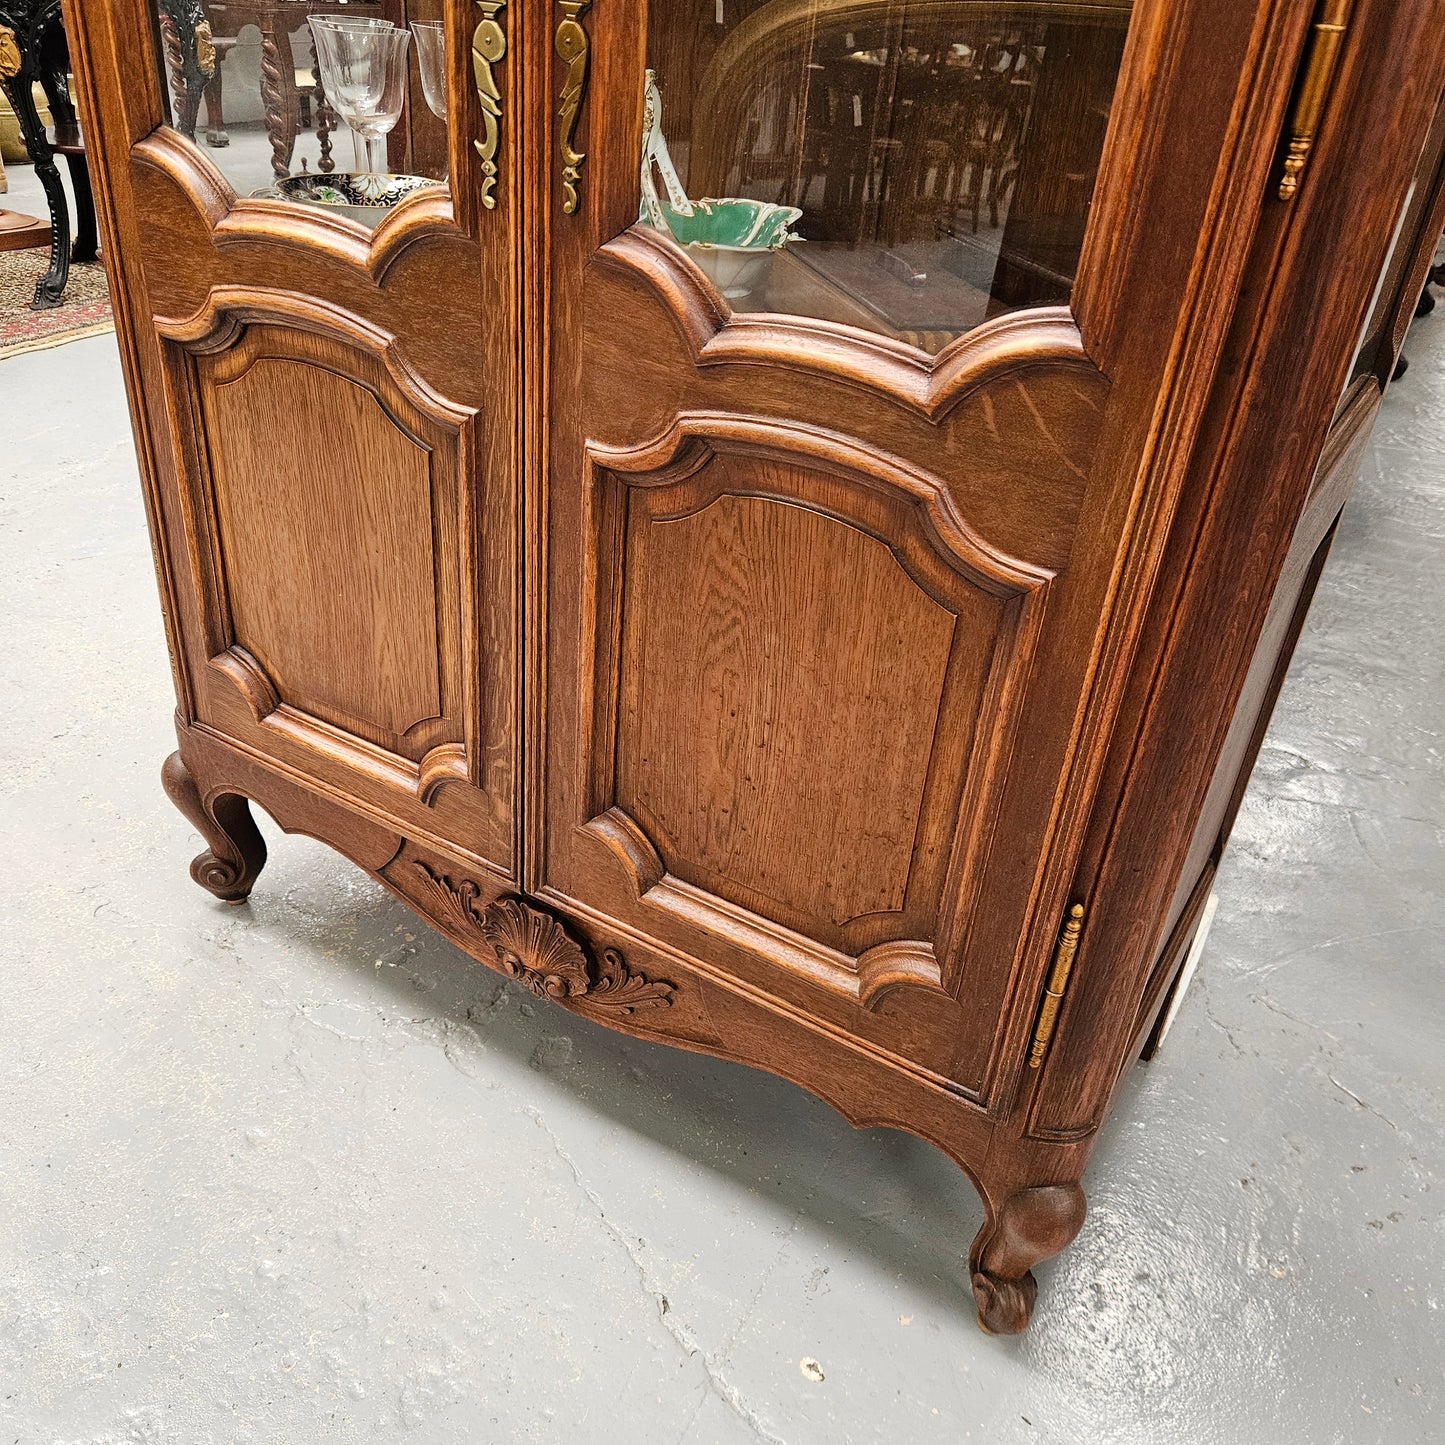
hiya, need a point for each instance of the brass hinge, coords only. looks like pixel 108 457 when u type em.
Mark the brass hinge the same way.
pixel 1322 58
pixel 1064 951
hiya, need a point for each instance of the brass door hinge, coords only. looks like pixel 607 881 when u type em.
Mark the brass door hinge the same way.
pixel 1064 951
pixel 1322 58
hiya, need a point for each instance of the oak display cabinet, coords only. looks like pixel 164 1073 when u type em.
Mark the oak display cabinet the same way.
pixel 840 647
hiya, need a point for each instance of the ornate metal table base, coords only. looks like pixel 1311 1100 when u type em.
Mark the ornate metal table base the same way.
pixel 32 48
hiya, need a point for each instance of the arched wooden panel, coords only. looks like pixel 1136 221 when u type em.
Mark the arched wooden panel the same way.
pixel 766 731
pixel 327 508
pixel 325 530
pixel 806 682
pixel 737 488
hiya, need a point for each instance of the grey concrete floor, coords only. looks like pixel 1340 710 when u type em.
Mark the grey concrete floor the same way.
pixel 300 1172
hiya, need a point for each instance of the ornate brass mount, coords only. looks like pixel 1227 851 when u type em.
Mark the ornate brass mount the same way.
pixel 535 948
pixel 489 45
pixel 205 49
pixel 1067 947
pixel 9 54
pixel 1322 57
pixel 572 47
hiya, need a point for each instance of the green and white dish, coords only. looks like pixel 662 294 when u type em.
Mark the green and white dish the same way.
pixel 731 239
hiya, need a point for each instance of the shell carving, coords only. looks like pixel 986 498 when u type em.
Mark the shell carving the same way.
pixel 535 948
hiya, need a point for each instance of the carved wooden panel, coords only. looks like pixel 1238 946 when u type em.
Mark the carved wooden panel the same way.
pixel 731 492
pixel 327 514
pixel 772 655
pixel 326 520
pixel 805 687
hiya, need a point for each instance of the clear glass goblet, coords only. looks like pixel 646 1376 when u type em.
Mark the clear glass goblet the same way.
pixel 363 72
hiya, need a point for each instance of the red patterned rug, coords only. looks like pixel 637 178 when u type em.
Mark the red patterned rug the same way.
pixel 84 311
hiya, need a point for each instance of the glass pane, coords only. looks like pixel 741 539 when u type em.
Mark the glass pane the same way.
pixel 909 166
pixel 248 83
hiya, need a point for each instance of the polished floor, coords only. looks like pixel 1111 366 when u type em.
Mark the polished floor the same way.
pixel 299 1172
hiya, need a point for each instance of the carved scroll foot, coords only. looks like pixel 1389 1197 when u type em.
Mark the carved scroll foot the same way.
pixel 1031 1225
pixel 237 851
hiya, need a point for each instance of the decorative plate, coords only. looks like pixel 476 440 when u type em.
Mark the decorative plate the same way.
pixel 368 196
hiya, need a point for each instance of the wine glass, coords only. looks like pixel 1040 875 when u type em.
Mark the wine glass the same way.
pixel 363 72
pixel 431 60
pixel 357 22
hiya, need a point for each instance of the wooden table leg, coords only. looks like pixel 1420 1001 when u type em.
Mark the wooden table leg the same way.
pixel 325 124
pixel 278 79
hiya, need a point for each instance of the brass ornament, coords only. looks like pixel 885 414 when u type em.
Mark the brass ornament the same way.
pixel 205 49
pixel 9 54
pixel 1067 947
pixel 489 46
pixel 1322 58
pixel 572 47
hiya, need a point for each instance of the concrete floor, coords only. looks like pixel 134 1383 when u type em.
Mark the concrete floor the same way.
pixel 300 1172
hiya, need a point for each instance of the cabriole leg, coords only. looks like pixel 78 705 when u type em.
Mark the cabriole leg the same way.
pixel 1029 1226
pixel 237 851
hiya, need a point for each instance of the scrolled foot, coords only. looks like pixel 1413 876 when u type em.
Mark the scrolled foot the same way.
pixel 236 852
pixel 1005 1306
pixel 1029 1226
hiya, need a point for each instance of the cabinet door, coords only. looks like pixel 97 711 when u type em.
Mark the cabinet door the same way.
pixel 846 536
pixel 333 388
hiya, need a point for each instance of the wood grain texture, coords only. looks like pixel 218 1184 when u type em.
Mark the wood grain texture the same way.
pixel 792 643
pixel 211 269
pixel 769 653
pixel 346 630
pixel 758 684
pixel 1314 269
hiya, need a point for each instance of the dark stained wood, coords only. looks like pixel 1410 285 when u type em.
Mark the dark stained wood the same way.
pixel 758 683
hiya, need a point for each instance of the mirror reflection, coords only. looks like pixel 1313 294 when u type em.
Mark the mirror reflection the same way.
pixel 340 103
pixel 913 167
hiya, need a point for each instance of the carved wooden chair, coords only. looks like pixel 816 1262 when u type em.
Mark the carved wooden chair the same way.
pixel 289 108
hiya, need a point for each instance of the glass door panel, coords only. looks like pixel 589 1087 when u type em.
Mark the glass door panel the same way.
pixel 245 83
pixel 913 167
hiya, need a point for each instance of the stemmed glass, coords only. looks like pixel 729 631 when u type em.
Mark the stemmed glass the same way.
pixel 363 72
pixel 431 60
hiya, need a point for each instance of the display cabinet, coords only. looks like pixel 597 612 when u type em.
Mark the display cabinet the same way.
pixel 777 524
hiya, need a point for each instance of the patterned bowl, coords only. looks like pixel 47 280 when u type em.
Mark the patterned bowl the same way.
pixel 367 198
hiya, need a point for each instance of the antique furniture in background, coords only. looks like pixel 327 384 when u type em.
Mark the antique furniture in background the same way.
pixel 17 230
pixel 856 674
pixel 33 48
pixel 199 33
